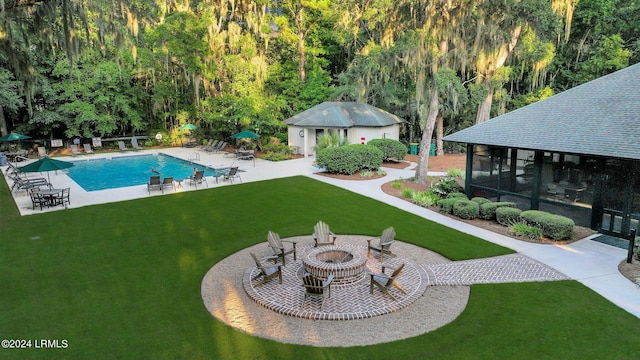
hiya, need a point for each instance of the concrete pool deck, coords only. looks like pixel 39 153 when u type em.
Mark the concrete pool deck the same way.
pixel 592 263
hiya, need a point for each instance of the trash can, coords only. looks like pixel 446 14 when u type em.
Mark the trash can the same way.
pixel 432 150
pixel 3 159
pixel 413 148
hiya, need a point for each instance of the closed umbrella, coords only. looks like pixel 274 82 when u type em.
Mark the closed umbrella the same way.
pixel 246 134
pixel 46 164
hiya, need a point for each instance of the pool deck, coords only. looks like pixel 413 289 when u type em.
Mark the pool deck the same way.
pixel 592 263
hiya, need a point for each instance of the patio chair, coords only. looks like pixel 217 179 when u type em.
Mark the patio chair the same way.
pixel 383 244
pixel 74 150
pixel 220 147
pixel 198 178
pixel 322 235
pixel 267 271
pixel 42 151
pixel 154 183
pixel 168 182
pixel 88 149
pixel 37 199
pixel 384 282
pixel 122 146
pixel 315 287
pixel 232 173
pixel 278 248
pixel 62 198
pixel 135 145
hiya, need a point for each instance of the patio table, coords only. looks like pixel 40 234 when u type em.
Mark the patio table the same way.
pixel 49 195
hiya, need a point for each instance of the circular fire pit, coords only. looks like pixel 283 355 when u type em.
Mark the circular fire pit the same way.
pixel 344 262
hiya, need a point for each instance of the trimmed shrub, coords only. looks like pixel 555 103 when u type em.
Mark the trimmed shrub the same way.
pixel 349 159
pixel 446 205
pixel 556 227
pixel 458 195
pixel 446 186
pixel 488 210
pixel 391 149
pixel 481 200
pixel 525 231
pixel 466 209
pixel 508 216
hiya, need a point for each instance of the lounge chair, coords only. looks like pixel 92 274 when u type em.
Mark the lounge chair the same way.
pixel 267 271
pixel 384 282
pixel 74 150
pixel 122 146
pixel 322 235
pixel 316 287
pixel 42 151
pixel 278 248
pixel 220 147
pixel 383 244
pixel 88 149
pixel 168 182
pixel 210 143
pixel 27 184
pixel 198 178
pixel 134 144
pixel 154 183
pixel 232 173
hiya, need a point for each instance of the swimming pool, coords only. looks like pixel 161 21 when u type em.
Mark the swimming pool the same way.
pixel 111 173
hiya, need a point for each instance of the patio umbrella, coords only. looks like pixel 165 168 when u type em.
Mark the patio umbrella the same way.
pixel 246 134
pixel 46 164
pixel 13 137
pixel 189 127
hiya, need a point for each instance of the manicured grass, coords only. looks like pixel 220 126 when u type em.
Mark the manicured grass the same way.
pixel 122 281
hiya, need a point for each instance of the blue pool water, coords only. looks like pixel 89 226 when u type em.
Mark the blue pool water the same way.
pixel 101 174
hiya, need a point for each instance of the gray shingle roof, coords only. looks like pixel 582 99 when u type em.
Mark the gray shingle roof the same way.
pixel 343 115
pixel 601 117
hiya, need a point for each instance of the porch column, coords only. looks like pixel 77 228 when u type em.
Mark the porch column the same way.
pixel 305 142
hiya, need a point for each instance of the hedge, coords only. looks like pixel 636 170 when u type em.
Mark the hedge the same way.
pixel 458 195
pixel 488 210
pixel 446 205
pixel 507 216
pixel 481 200
pixel 391 149
pixel 466 209
pixel 349 159
pixel 556 227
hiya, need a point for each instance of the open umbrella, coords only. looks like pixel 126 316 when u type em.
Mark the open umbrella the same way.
pixel 46 164
pixel 189 127
pixel 246 134
pixel 13 137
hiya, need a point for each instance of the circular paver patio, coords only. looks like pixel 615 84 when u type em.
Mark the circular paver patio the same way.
pixel 225 297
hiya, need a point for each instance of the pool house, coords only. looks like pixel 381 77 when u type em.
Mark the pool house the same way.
pixel 576 154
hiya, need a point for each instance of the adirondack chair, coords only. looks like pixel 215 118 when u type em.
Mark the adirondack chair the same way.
pixel 383 244
pixel 384 282
pixel 314 286
pixel 322 235
pixel 267 271
pixel 278 248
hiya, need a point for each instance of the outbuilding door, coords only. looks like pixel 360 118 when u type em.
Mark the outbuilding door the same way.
pixel 621 205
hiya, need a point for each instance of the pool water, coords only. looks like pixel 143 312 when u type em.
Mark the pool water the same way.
pixel 102 174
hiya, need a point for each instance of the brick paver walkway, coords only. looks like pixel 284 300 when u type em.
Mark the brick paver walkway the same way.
pixel 499 269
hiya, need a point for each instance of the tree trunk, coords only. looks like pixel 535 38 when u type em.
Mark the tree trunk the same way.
pixel 427 133
pixel 3 123
pixel 440 134
pixel 484 108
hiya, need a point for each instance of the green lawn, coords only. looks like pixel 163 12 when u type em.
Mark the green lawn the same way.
pixel 122 281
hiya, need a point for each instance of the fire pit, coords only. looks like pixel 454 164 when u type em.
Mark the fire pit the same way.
pixel 345 263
